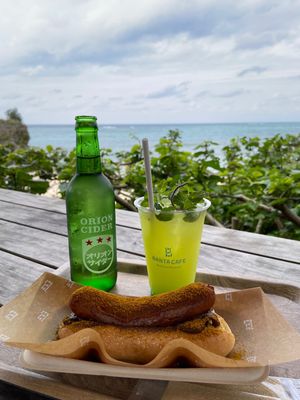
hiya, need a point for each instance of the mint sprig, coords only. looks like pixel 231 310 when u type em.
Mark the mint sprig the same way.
pixel 182 196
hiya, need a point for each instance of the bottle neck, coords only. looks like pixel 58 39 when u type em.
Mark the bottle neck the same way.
pixel 87 150
pixel 86 165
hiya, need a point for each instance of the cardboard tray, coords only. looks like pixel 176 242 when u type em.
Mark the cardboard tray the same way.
pixel 132 280
pixel 235 376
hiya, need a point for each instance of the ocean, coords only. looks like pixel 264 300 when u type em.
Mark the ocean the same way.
pixel 123 137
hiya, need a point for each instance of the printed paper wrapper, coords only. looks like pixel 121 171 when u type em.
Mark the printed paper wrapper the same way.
pixel 263 336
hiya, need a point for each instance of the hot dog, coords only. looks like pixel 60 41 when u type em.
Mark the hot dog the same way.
pixel 135 329
pixel 160 310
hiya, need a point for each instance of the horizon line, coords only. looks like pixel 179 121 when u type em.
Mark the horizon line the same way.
pixel 170 123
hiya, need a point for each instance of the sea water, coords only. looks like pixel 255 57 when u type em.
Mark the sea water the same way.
pixel 123 137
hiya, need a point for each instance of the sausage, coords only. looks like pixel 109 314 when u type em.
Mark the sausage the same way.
pixel 159 310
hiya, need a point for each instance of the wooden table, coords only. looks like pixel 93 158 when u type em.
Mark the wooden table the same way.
pixel 33 239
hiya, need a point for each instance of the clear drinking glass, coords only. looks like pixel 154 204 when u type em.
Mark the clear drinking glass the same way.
pixel 172 244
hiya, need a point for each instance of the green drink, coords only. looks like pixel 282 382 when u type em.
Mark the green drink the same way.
pixel 90 206
pixel 172 243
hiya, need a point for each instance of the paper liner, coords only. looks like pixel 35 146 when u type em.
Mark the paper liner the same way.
pixel 263 336
pixel 88 340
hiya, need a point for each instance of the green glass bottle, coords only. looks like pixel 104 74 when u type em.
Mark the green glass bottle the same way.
pixel 90 206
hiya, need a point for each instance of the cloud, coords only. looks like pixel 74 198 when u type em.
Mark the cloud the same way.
pixel 93 32
pixel 252 70
pixel 228 94
pixel 127 56
pixel 296 77
pixel 31 71
pixel 260 40
pixel 31 98
pixel 233 93
pixel 203 93
pixel 11 96
pixel 169 91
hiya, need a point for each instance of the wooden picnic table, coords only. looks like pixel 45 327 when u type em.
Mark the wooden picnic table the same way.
pixel 33 240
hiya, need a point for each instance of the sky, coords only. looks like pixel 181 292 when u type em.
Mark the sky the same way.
pixel 150 61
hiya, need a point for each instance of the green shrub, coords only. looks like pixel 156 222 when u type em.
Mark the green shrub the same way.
pixel 253 186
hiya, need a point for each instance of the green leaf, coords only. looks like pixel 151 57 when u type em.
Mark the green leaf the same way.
pixel 191 216
pixel 165 214
pixel 38 187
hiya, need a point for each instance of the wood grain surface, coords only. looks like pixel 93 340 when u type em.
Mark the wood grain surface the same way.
pixel 226 238
pixel 49 229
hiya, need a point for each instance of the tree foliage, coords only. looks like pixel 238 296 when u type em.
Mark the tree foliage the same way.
pixel 13 115
pixel 254 184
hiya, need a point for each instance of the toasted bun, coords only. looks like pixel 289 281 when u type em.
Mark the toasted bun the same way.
pixel 140 345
